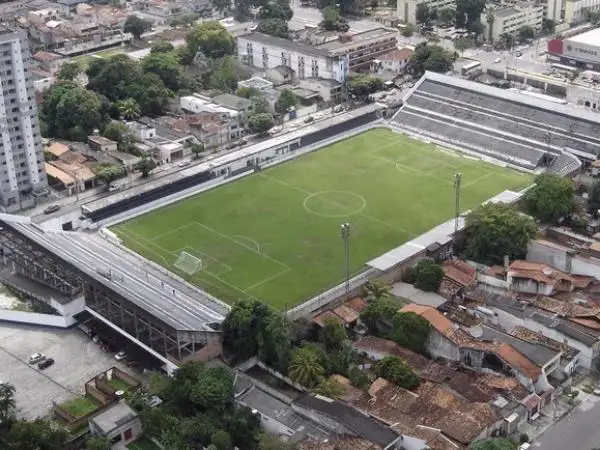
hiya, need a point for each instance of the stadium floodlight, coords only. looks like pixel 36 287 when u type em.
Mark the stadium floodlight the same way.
pixel 457 177
pixel 345 231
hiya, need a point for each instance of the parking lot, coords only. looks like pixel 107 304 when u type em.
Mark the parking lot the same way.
pixel 77 359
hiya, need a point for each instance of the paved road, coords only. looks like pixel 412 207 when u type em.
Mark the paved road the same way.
pixel 580 430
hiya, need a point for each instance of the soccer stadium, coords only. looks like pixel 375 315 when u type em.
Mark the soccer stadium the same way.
pixel 274 235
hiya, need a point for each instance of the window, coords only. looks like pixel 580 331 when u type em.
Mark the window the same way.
pixel 127 434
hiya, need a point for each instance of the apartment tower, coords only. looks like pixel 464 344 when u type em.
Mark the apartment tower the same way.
pixel 22 175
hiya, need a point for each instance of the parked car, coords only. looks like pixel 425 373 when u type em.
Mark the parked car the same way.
pixel 114 187
pixel 184 163
pixel 45 363
pixel 51 209
pixel 309 119
pixel 338 108
pixel 36 358
pixel 121 356
pixel 497 60
pixel 597 390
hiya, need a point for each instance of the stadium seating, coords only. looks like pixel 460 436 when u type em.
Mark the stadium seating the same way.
pixel 520 133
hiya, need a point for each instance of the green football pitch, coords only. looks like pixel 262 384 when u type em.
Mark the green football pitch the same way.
pixel 275 235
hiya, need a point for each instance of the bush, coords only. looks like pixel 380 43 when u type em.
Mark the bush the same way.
pixel 524 437
pixel 396 371
pixel 428 275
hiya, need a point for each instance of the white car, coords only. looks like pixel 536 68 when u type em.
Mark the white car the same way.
pixel 121 356
pixel 36 358
pixel 497 60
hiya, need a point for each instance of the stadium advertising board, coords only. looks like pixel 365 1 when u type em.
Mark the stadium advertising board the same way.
pixel 581 51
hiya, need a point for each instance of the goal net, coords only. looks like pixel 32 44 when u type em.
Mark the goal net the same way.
pixel 188 263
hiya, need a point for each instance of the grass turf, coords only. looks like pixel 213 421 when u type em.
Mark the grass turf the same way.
pixel 142 444
pixel 275 235
pixel 80 406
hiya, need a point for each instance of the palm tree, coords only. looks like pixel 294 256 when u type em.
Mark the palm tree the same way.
pixel 489 18
pixel 129 109
pixel 304 368
pixel 374 290
pixel 7 403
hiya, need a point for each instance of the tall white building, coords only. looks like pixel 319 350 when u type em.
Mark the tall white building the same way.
pixel 22 174
pixel 510 19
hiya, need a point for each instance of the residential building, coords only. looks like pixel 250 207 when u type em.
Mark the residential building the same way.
pixel 161 139
pixel 267 52
pixel 574 11
pixel 69 170
pixel 48 61
pixel 509 19
pixel 102 144
pixel 537 278
pixel 22 175
pixel 119 423
pixel 576 254
pixel 235 112
pixel 406 10
pixel 447 340
pixel 394 61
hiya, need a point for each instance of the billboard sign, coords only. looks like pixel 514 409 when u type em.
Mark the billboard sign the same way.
pixel 581 51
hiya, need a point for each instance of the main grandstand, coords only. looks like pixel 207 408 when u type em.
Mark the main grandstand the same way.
pixel 519 130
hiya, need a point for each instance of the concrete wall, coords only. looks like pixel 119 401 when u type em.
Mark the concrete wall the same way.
pixel 492 281
pixel 439 345
pixel 552 256
pixel 33 318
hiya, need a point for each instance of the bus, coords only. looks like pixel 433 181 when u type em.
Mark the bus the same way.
pixel 467 68
pixel 562 68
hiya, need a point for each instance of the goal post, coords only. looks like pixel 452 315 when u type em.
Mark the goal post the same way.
pixel 188 263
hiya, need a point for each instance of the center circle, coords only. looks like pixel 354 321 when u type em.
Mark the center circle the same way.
pixel 334 203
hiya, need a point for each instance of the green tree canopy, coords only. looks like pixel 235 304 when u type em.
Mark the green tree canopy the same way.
pixel 162 46
pixel 146 165
pixel 375 290
pixel 36 434
pixel 305 368
pixel 396 371
pixel 422 13
pixel 362 85
pixel 129 109
pixel 108 173
pixel 551 198
pixel 260 123
pixel 408 30
pixel 274 27
pixel 120 133
pixel 468 12
pixel 461 44
pixel 526 32
pixel 225 73
pixel 428 275
pixel 332 335
pixel 247 92
pixel 410 330
pixel 548 26
pixel 430 57
pixel 271 442
pixel 329 388
pixel 285 101
pixel 136 26
pixel 593 201
pixel 332 20
pixel 210 38
pixel 69 70
pixel 97 443
pixel 276 9
pixel 167 67
pixel 377 312
pixel 446 16
pixel 495 230
pixel 113 77
pixel 7 404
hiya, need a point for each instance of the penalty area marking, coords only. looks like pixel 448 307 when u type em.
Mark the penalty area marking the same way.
pixel 247 239
pixel 321 195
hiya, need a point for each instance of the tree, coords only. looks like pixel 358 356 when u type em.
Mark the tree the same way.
pixel 410 330
pixel 304 367
pixel 221 440
pixel 377 312
pixel 329 388
pixel 36 434
pixel 422 14
pixel 260 123
pixel 162 46
pixel 108 173
pixel 494 444
pixel 408 30
pixel 146 166
pixel 151 94
pixel 69 70
pixel 375 290
pixel 461 44
pixel 136 26
pixel 548 26
pixel 507 40
pixel 222 6
pixel 276 9
pixel 333 335
pixel 212 39
pixel 495 230
pixel 551 198
pixel 120 133
pixel 185 20
pixel 468 12
pixel 593 202
pixel 225 73
pixel 7 404
pixel 526 32
pixel 113 77
pixel 260 105
pixel 332 20
pixel 428 275
pixel 358 378
pixel 396 371
pixel 286 101
pixel 274 27
pixel 247 92
pixel 274 346
pixel 196 149
pixel 430 57
pixel 446 16
pixel 242 326
pixel 129 109
pixel 167 67
pixel 362 85
pixel 97 443
pixel 271 442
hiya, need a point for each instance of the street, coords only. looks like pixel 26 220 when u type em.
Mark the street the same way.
pixel 579 430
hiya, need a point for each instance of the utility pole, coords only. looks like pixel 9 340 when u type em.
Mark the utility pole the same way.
pixel 345 230
pixel 456 201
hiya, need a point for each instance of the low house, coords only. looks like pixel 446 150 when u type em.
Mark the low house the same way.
pixel 119 423
pixel 48 61
pixel 395 61
pixel 102 144
pixel 447 340
pixel 458 276
pixel 537 278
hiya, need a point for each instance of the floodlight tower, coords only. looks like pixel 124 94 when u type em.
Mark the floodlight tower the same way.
pixel 456 201
pixel 345 231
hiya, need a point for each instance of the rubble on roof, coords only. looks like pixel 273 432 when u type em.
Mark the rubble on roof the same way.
pixel 340 443
pixel 460 272
pixel 526 334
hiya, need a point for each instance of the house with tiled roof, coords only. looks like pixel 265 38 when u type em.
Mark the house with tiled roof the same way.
pixel 538 278
pixel 447 340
